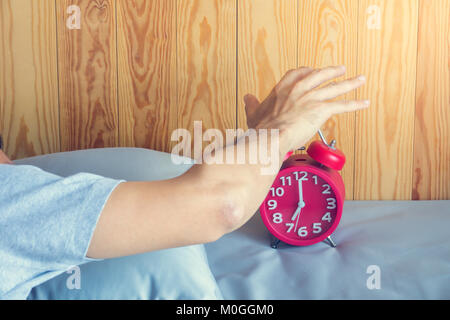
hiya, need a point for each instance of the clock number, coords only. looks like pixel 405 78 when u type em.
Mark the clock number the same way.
pixel 303 175
pixel 284 179
pixel 331 203
pixel 317 227
pixel 326 217
pixel 277 192
pixel 315 179
pixel 272 204
pixel 327 189
pixel 302 232
pixel 277 218
pixel 290 226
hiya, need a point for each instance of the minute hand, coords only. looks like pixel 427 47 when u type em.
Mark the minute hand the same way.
pixel 300 194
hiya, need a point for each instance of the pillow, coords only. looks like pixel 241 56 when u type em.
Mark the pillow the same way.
pixel 132 164
pixel 172 274
pixel 179 273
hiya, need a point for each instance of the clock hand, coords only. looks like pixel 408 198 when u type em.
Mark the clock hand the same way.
pixel 296 213
pixel 301 203
pixel 296 222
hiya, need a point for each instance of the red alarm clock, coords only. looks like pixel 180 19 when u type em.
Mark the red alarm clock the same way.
pixel 304 204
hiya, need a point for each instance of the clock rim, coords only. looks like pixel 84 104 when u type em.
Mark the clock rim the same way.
pixel 339 203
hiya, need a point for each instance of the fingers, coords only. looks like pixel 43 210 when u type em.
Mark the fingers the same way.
pixel 315 79
pixel 334 90
pixel 337 107
pixel 291 78
pixel 283 87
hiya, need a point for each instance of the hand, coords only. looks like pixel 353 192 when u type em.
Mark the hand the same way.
pixel 297 110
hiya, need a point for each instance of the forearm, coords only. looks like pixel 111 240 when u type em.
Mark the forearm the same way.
pixel 243 186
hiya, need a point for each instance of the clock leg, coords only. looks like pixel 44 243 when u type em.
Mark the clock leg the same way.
pixel 274 242
pixel 331 242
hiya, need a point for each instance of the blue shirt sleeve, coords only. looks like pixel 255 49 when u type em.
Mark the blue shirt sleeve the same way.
pixel 46 224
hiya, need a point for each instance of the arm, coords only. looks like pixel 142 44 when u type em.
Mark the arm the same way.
pixel 212 200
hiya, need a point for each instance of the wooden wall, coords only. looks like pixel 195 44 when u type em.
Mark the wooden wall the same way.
pixel 138 69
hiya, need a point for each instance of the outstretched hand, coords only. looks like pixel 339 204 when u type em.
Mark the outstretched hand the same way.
pixel 298 108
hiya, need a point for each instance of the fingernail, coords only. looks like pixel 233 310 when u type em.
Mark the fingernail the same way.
pixel 366 102
pixel 362 78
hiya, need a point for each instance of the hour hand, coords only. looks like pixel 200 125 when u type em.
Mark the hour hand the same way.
pixel 296 213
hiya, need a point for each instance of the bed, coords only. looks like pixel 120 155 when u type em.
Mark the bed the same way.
pixel 385 250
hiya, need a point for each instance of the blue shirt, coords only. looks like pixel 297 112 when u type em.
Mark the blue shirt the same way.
pixel 46 224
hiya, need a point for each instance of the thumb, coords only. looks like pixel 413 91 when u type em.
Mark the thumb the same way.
pixel 251 103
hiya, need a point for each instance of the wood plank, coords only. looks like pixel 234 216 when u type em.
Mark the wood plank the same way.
pixel 147 73
pixel 88 75
pixel 384 132
pixel 28 78
pixel 267 47
pixel 328 36
pixel 431 175
pixel 206 63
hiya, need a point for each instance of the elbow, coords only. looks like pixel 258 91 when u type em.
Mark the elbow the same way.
pixel 230 213
pixel 232 216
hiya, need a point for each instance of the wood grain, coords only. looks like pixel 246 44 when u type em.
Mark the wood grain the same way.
pixel 384 132
pixel 132 74
pixel 206 63
pixel 431 175
pixel 267 47
pixel 28 78
pixel 328 36
pixel 147 73
pixel 88 76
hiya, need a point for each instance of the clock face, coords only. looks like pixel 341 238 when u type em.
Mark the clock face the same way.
pixel 301 207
